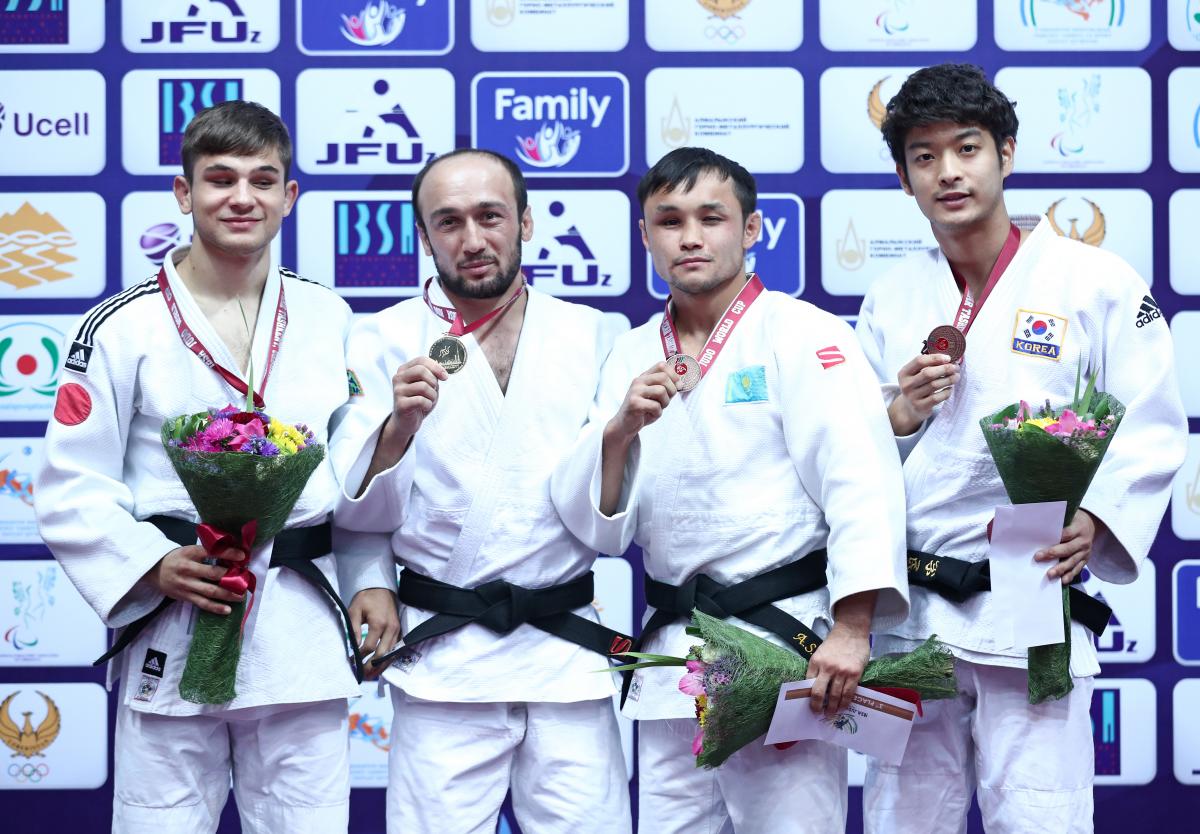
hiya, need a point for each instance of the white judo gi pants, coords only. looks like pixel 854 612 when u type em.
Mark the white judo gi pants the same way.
pixel 290 767
pixel 758 790
pixel 1032 766
pixel 451 764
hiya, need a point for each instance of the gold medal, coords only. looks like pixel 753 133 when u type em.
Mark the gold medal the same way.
pixel 449 352
pixel 687 369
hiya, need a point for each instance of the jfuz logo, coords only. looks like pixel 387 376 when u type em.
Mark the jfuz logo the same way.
pixel 192 28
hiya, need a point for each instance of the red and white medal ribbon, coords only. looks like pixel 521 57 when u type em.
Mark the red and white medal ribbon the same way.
pixel 458 325
pixel 968 308
pixel 692 370
pixel 192 342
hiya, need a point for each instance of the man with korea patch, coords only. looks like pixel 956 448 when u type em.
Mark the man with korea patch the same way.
pixel 739 437
pixel 996 314
pixel 219 318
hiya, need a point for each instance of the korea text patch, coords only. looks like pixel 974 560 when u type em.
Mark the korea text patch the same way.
pixel 1039 334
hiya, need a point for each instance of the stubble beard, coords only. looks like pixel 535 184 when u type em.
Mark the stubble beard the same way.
pixel 491 288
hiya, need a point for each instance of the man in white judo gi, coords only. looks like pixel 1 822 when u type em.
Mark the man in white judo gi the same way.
pixel 116 516
pixel 752 463
pixel 448 460
pixel 1030 308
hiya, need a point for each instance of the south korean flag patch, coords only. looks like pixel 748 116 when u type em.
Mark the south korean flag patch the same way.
pixel 1039 334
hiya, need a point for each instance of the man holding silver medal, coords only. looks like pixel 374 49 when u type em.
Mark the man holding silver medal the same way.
pixel 445 456
pixel 750 460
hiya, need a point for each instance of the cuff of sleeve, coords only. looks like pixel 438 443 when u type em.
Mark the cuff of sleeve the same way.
pixel 611 529
pixel 381 505
pixel 891 605
pixel 364 560
pixel 1112 560
pixel 139 601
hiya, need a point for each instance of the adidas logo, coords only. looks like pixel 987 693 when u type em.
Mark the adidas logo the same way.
pixel 154 663
pixel 1149 311
pixel 79 357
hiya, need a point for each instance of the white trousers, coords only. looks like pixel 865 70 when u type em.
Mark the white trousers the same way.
pixel 758 790
pixel 450 766
pixel 1032 766
pixel 290 768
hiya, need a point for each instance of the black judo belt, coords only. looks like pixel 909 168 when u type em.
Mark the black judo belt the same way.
pixel 958 579
pixel 750 600
pixel 502 606
pixel 295 549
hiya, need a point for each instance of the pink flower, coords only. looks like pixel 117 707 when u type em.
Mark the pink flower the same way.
pixel 245 432
pixel 692 683
pixel 698 742
pixel 1023 413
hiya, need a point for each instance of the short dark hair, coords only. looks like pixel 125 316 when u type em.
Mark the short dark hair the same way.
pixel 518 179
pixel 683 166
pixel 241 128
pixel 956 93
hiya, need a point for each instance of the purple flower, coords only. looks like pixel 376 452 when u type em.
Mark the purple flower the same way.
pixel 259 445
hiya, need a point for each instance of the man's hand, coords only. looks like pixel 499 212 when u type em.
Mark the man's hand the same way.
pixel 924 382
pixel 415 393
pixel 182 575
pixel 838 663
pixel 644 402
pixel 376 608
pixel 1073 549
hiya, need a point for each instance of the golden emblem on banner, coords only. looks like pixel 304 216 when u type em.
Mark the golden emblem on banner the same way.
pixel 676 130
pixel 1096 230
pixel 501 12
pixel 724 8
pixel 851 251
pixel 25 740
pixel 876 109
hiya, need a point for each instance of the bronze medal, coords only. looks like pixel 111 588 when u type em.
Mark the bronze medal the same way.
pixel 947 339
pixel 687 369
pixel 449 352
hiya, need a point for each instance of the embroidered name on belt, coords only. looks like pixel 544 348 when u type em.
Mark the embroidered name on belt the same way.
pixel 1039 334
pixel 921 568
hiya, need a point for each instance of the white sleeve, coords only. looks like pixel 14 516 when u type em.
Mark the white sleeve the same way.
pixel 1131 490
pixel 871 338
pixel 841 445
pixel 382 505
pixel 575 484
pixel 84 509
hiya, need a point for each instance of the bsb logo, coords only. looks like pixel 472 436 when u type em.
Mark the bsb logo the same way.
pixel 199 25
pixel 376 244
pixel 1106 731
pixel 778 254
pixel 554 124
pixel 34 22
pixel 179 99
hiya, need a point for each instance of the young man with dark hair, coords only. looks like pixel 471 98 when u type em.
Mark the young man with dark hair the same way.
pixel 1003 315
pixel 116 516
pixel 757 455
pixel 446 458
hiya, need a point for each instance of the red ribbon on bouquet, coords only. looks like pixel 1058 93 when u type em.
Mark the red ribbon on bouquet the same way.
pixel 238 578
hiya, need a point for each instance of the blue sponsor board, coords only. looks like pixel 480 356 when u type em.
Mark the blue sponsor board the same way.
pixel 1106 731
pixel 34 22
pixel 179 99
pixel 375 244
pixel 554 124
pixel 777 255
pixel 1187 611
pixel 388 27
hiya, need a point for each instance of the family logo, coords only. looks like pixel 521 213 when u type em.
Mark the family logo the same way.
pixel 676 128
pixel 179 99
pixel 31 601
pixel 1093 235
pixel 894 19
pixel 29 22
pixel 31 244
pixel 1106 731
pixel 564 124
pixel 1084 11
pixel 159 239
pixel 375 244
pixel 378 24
pixel 1076 109
pixel 29 359
pixel 724 11
pixel 389 135
pixel 219 23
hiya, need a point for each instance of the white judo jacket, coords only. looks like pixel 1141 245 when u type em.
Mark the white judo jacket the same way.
pixel 1058 304
pixel 783 448
pixel 469 502
pixel 103 475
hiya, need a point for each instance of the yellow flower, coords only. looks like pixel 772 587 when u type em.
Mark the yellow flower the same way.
pixel 1042 422
pixel 285 437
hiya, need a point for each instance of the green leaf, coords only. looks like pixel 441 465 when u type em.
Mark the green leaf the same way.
pixel 631 666
pixel 1085 406
pixel 677 661
pixel 1075 399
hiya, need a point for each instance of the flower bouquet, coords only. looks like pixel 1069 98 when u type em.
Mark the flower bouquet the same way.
pixel 244 471
pixel 735 678
pixel 1052 455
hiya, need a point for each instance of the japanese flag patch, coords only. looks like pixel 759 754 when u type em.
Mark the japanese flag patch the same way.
pixel 1039 334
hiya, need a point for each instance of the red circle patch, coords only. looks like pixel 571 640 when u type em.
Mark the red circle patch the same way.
pixel 73 404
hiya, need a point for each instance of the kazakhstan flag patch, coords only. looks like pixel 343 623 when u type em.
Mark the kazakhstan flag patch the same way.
pixel 749 385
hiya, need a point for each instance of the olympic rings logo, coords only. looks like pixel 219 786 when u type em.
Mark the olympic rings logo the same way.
pixel 28 772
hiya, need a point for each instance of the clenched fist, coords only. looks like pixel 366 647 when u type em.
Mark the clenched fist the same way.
pixel 924 382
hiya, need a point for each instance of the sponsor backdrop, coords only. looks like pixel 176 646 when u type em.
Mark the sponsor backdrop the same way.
pixel 94 98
